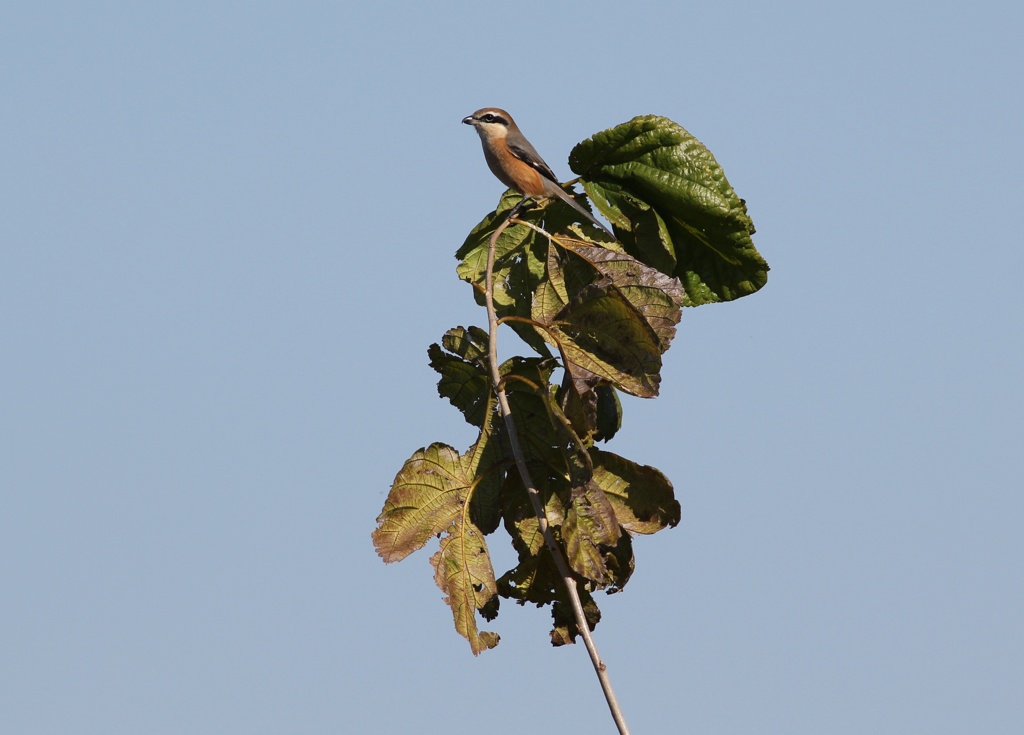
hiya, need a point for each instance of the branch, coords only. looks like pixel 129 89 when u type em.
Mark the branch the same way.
pixel 535 499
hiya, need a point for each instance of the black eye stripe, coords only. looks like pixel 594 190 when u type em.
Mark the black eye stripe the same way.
pixel 491 118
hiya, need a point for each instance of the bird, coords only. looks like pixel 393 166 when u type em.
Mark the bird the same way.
pixel 516 163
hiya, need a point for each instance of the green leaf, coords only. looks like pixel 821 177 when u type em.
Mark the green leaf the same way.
pixel 464 573
pixel 536 580
pixel 656 296
pixel 608 413
pixel 598 332
pixel 468 343
pixel 518 267
pixel 574 448
pixel 520 521
pixel 519 260
pixel 590 529
pixel 673 207
pixel 642 230
pixel 462 364
pixel 526 384
pixel 486 462
pixel 641 496
pixel 579 403
pixel 565 629
pixel 620 563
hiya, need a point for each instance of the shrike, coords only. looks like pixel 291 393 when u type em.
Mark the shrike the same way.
pixel 516 163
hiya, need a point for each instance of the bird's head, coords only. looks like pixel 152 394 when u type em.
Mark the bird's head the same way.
pixel 490 122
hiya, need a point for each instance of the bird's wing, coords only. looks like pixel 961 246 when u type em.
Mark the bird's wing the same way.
pixel 526 153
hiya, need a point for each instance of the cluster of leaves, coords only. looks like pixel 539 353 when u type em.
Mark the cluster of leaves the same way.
pixel 599 314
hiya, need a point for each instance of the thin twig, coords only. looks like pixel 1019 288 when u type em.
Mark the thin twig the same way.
pixel 534 494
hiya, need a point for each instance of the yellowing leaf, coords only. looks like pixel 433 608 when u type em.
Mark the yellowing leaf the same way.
pixel 426 497
pixel 463 571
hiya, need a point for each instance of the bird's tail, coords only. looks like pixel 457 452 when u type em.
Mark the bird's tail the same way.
pixel 571 201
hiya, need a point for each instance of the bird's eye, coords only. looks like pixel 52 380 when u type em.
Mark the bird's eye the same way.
pixel 488 118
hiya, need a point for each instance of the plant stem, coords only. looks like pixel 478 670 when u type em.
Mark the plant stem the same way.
pixel 534 494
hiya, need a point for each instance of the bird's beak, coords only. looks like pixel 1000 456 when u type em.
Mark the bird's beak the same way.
pixel 468 120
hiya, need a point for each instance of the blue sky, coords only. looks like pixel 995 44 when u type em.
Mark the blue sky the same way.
pixel 227 234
